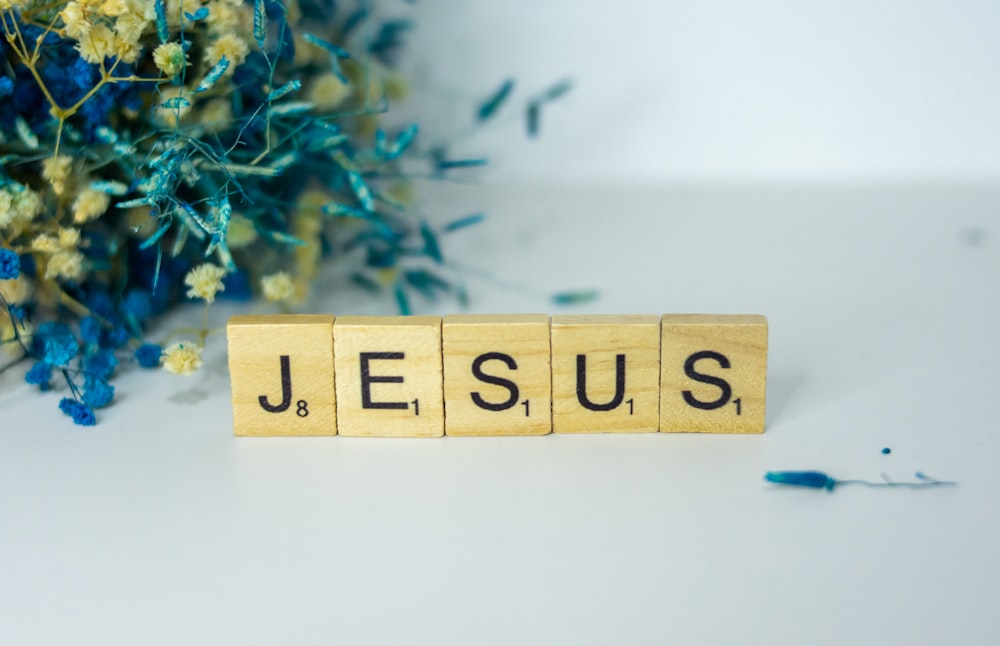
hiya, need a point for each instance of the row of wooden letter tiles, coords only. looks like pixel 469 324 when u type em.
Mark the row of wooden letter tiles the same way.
pixel 526 374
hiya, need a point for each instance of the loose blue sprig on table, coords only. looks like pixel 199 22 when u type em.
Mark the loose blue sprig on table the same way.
pixel 820 480
pixel 157 151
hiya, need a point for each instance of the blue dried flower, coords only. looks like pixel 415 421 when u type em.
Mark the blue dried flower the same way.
pixel 229 189
pixel 117 336
pixel 148 355
pixel 90 330
pixel 101 304
pixel 54 343
pixel 10 264
pixel 80 412
pixel 67 76
pixel 39 375
pixel 137 305
pixel 101 364
pixel 98 393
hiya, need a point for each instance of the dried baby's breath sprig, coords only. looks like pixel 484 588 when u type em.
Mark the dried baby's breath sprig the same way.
pixel 182 358
pixel 158 150
pixel 205 281
pixel 278 287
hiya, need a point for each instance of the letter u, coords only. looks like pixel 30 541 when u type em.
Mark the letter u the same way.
pixel 581 384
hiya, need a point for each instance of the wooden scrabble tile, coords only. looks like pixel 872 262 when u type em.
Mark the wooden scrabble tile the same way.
pixel 605 374
pixel 389 381
pixel 713 373
pixel 281 369
pixel 497 375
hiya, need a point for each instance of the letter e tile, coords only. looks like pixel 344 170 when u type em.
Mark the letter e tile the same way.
pixel 389 380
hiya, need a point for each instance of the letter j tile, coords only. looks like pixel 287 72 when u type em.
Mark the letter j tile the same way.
pixel 281 369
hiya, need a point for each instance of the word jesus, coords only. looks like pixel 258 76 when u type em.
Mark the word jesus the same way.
pixel 527 374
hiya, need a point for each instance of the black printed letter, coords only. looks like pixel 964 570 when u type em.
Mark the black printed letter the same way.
pixel 367 380
pixel 286 390
pixel 721 384
pixel 581 383
pixel 477 372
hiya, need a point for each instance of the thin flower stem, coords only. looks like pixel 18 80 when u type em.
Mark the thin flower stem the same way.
pixel 39 41
pixel 135 79
pixel 20 47
pixel 59 131
pixel 14 39
pixel 73 304
pixel 204 326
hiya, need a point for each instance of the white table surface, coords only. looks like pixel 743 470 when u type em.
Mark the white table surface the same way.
pixel 157 526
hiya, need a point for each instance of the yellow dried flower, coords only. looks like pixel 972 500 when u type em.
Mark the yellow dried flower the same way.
pixel 75 21
pixel 328 92
pixel 170 58
pixel 234 48
pixel 278 287
pixel 307 222
pixel 293 12
pixel 45 243
pixel 56 171
pixel 6 208
pixel 65 264
pixel 9 336
pixel 114 7
pixel 223 18
pixel 27 204
pixel 25 331
pixel 204 281
pixel 89 204
pixel 229 18
pixel 396 86
pixel 126 50
pixel 18 205
pixel 176 10
pixel 216 115
pixel 136 16
pixel 16 290
pixel 182 358
pixel 241 232
pixel 171 117
pixel 69 238
pixel 6 5
pixel 306 52
pixel 97 44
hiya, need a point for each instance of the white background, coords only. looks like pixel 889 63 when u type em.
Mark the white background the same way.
pixel 724 90
pixel 159 527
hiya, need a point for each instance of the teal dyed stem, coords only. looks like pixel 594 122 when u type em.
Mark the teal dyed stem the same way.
pixel 811 479
pixel 820 480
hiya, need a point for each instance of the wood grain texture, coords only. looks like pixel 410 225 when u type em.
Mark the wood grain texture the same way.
pixel 611 347
pixel 714 373
pixel 514 348
pixel 285 364
pixel 403 380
